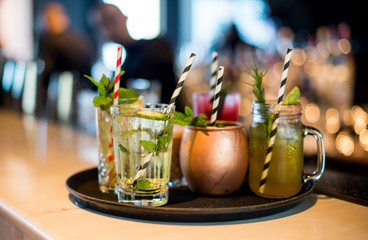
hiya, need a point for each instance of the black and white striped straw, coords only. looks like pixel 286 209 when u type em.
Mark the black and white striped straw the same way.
pixel 214 70
pixel 181 80
pixel 284 76
pixel 143 167
pixel 216 97
pixel 271 142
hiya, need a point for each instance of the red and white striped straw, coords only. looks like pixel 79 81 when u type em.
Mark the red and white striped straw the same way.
pixel 117 76
pixel 271 142
pixel 111 169
pixel 216 97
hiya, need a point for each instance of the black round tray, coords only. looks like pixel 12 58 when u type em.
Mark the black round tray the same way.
pixel 183 205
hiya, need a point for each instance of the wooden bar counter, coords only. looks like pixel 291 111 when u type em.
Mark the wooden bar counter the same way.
pixel 36 158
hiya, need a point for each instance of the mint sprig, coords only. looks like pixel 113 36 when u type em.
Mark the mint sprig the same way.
pixel 163 141
pixel 106 92
pixel 186 118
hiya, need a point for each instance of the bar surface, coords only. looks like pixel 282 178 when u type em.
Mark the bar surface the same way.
pixel 38 156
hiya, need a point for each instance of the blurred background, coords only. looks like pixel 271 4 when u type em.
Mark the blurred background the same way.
pixel 46 48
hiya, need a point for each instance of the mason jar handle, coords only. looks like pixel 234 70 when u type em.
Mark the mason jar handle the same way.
pixel 320 154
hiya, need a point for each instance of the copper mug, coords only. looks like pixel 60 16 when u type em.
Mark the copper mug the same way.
pixel 214 160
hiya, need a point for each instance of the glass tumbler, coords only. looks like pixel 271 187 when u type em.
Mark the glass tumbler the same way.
pixel 106 164
pixel 228 110
pixel 143 149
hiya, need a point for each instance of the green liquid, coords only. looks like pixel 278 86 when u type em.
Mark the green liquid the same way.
pixel 106 166
pixel 286 167
pixel 129 130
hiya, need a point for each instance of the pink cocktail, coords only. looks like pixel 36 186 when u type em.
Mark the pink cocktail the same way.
pixel 230 110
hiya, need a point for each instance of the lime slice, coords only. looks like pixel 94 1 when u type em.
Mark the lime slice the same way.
pixel 152 115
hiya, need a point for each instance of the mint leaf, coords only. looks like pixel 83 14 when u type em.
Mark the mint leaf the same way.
pixel 106 81
pixel 143 184
pixel 293 97
pixel 99 85
pixel 148 145
pixel 127 93
pixel 102 92
pixel 187 118
pixel 163 141
pixel 188 111
pixel 94 81
pixel 111 86
pixel 106 92
pixel 199 121
pixel 182 119
pixel 100 101
pixel 123 149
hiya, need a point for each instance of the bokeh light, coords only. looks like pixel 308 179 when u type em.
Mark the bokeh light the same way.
pixel 143 22
pixel 332 120
pixel 344 144
pixel 344 46
pixel 312 113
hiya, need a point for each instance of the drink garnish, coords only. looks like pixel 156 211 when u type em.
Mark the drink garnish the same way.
pixel 186 118
pixel 259 93
pixel 106 92
pixel 123 149
pixel 162 143
pixel 293 97
pixel 152 115
pixel 258 89
pixel 143 184
pixel 149 145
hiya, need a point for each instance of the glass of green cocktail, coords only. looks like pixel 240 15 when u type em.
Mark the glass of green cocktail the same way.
pixel 128 98
pixel 284 176
pixel 143 148
pixel 106 164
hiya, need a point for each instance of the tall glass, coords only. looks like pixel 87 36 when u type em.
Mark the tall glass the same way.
pixel 143 149
pixel 106 164
pixel 285 176
pixel 228 110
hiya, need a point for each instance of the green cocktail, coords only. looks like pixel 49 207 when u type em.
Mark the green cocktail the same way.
pixel 128 98
pixel 286 167
pixel 143 146
pixel 106 164
pixel 285 176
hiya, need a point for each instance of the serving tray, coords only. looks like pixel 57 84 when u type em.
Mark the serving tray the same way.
pixel 183 205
